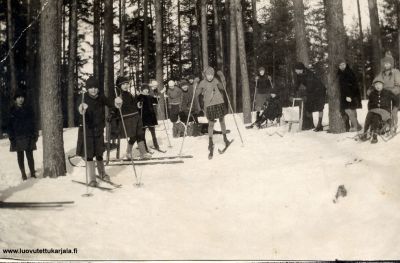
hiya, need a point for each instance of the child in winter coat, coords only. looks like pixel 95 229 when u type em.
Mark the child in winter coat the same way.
pixel 350 96
pixel 131 125
pixel 22 132
pixel 148 114
pixel 214 105
pixel 264 86
pixel 272 110
pixel 93 107
pixel 380 103
pixel 174 95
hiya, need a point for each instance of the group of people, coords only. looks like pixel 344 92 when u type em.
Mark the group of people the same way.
pixel 136 112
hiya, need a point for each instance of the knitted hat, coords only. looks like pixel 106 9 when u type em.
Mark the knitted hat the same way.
pixel 171 83
pixel 184 83
pixel 299 66
pixel 261 68
pixel 121 80
pixel 209 71
pixel 387 59
pixel 377 79
pixel 144 86
pixel 91 83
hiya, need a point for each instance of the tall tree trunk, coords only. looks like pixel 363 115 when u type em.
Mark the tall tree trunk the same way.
pixel 50 92
pixel 146 42
pixel 10 41
pixel 243 64
pixel 362 51
pixel 336 53
pixel 122 38
pixel 255 33
pixel 233 52
pixel 218 37
pixel 96 40
pixel 376 36
pixel 204 33
pixel 159 57
pixel 199 39
pixel 300 33
pixel 72 51
pixel 179 41
pixel 108 49
pixel 398 30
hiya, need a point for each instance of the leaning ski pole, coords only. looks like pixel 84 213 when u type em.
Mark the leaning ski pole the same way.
pixel 138 183
pixel 85 143
pixel 165 127
pixel 255 92
pixel 188 118
pixel 222 77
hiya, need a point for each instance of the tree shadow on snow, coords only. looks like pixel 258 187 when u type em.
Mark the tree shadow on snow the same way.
pixel 5 194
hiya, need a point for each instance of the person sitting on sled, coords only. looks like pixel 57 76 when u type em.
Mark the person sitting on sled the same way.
pixel 272 110
pixel 93 107
pixel 148 114
pixel 380 103
pixel 214 105
pixel 129 106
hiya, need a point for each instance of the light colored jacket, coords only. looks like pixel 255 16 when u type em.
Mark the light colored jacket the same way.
pixel 211 91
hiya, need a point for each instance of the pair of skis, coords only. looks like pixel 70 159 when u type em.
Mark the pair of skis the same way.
pixel 220 151
pixel 33 205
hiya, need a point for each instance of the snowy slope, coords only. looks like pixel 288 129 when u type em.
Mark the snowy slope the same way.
pixel 271 199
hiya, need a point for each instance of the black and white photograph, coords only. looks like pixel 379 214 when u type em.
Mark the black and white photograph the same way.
pixel 199 130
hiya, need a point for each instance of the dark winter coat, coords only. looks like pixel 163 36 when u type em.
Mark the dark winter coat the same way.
pixel 21 129
pixel 273 109
pixel 312 90
pixel 349 88
pixel 132 119
pixel 94 123
pixel 384 99
pixel 187 97
pixel 264 85
pixel 148 113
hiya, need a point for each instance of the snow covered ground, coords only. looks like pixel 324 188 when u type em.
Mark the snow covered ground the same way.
pixel 270 199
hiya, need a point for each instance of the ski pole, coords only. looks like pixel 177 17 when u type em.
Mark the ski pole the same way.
pixel 85 144
pixel 221 75
pixel 138 183
pixel 166 130
pixel 188 118
pixel 255 92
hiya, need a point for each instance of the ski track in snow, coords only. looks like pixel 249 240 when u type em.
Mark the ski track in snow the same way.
pixel 271 199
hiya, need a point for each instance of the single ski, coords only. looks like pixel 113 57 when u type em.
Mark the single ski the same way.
pixel 109 182
pixel 158 150
pixel 98 186
pixel 226 147
pixel 148 162
pixel 34 204
pixel 159 158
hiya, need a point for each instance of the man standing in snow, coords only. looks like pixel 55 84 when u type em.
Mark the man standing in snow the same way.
pixel 313 92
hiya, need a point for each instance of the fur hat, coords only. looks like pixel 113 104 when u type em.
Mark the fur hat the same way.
pixel 19 93
pixel 121 80
pixel 299 66
pixel 91 83
pixel 209 71
pixel 387 59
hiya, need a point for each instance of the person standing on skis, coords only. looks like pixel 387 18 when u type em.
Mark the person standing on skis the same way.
pixel 93 107
pixel 214 106
pixel 131 119
pixel 263 91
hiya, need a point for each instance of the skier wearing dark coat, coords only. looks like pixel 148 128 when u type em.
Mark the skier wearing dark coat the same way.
pixel 264 87
pixel 93 107
pixel 22 132
pixel 380 102
pixel 132 122
pixel 313 92
pixel 148 114
pixel 350 99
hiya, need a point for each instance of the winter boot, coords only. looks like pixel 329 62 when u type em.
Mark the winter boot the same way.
pixel 91 174
pixel 319 125
pixel 102 171
pixel 374 138
pixel 226 141
pixel 210 148
pixel 24 175
pixel 129 151
pixel 142 150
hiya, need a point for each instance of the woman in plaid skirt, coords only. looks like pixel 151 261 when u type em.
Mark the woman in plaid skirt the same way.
pixel 214 105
